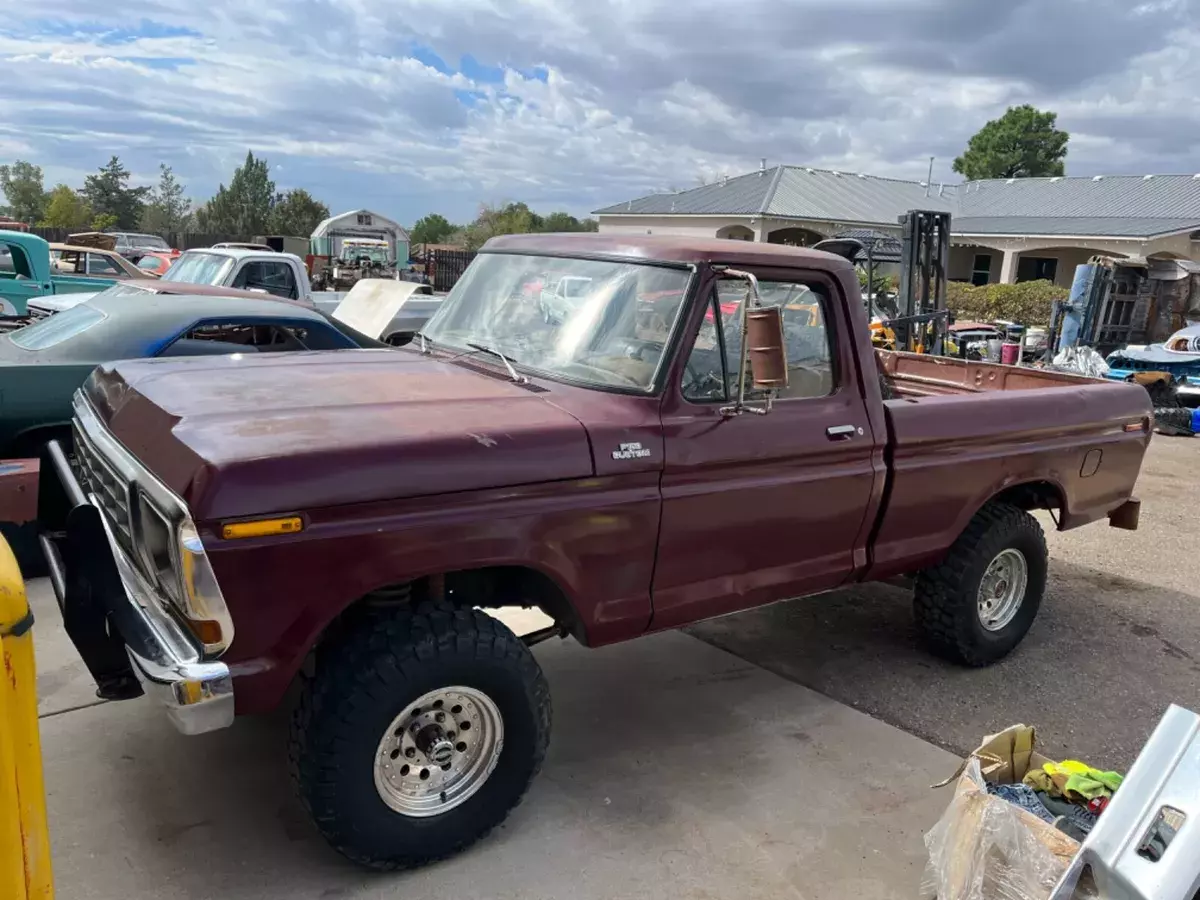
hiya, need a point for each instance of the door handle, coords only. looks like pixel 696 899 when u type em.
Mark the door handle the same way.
pixel 842 432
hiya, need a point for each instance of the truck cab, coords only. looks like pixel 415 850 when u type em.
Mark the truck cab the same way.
pixel 27 272
pixel 279 274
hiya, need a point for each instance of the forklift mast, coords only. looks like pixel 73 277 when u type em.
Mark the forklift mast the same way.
pixel 925 258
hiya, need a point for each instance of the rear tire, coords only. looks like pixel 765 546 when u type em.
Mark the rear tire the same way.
pixel 367 679
pixel 978 604
pixel 1173 421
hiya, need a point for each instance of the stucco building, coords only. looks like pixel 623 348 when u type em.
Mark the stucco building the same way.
pixel 1004 230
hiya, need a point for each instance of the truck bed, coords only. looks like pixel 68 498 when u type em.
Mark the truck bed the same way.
pixel 914 375
pixel 960 433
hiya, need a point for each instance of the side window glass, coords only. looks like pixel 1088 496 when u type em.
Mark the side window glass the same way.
pixel 704 378
pixel 278 279
pixel 102 265
pixel 805 332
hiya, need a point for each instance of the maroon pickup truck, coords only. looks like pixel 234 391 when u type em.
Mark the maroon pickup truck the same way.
pixel 700 428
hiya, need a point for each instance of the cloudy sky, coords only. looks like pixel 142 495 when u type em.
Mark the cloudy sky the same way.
pixel 412 106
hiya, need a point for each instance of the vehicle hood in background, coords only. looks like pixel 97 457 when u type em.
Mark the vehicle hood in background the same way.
pixel 237 436
pixel 373 303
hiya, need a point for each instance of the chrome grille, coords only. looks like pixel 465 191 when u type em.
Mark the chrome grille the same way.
pixel 110 489
pixel 38 314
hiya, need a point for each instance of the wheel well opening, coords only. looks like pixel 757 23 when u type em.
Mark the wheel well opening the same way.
pixel 492 587
pixel 1033 495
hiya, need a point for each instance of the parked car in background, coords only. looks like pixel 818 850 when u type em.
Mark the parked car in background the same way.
pixel 158 262
pixel 133 244
pixel 560 301
pixel 44 307
pixel 43 364
pixel 238 245
pixel 280 274
pixel 26 273
pixel 69 259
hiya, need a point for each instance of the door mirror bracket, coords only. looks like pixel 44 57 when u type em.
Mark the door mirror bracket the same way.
pixel 763 348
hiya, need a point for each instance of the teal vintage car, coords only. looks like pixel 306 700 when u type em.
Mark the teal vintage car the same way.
pixel 26 272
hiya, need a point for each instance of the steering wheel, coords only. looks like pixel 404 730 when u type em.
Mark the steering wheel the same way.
pixel 700 383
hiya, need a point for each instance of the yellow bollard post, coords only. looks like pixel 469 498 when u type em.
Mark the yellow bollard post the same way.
pixel 25 872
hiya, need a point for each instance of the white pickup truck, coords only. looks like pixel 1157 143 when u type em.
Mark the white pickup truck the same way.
pixel 282 275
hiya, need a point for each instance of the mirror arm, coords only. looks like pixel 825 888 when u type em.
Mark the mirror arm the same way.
pixel 751 297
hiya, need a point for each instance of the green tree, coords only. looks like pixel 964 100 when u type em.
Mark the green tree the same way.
pixel 297 213
pixel 512 218
pixel 109 194
pixel 168 208
pixel 1023 143
pixel 25 190
pixel 66 209
pixel 561 221
pixel 244 207
pixel 431 229
pixel 104 221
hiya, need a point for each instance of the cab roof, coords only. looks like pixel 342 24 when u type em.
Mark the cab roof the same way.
pixel 665 249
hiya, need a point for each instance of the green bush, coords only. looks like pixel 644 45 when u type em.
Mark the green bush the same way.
pixel 1028 303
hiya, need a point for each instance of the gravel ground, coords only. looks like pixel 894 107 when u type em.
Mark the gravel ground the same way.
pixel 1117 639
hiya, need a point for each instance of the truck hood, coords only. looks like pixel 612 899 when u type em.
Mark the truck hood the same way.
pixel 241 436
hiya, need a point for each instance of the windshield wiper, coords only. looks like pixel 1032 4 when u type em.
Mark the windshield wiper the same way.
pixel 518 378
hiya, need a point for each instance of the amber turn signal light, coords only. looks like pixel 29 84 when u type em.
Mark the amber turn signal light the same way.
pixel 262 528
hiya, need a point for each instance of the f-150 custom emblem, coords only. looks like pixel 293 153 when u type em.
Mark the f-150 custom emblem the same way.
pixel 631 451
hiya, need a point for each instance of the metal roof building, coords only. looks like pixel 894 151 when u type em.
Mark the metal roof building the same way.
pixel 1005 229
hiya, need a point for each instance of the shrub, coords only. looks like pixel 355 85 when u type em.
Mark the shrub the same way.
pixel 1028 303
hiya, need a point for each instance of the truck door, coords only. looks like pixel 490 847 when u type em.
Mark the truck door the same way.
pixel 759 508
pixel 18 280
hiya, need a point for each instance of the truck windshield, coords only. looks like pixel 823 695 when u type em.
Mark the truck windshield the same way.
pixel 199 268
pixel 602 323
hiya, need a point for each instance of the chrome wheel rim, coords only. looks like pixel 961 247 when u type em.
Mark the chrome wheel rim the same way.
pixel 1002 590
pixel 439 751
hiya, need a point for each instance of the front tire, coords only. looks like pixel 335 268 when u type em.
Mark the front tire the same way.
pixel 362 719
pixel 978 604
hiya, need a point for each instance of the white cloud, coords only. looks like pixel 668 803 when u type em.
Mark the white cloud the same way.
pixel 573 104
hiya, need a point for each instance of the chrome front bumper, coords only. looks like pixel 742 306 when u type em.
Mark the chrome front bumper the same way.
pixel 104 598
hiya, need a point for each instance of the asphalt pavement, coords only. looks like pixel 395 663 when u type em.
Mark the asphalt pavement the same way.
pixel 1117 639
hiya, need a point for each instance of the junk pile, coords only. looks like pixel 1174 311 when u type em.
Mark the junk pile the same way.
pixel 1024 827
pixel 1142 318
pixel 1016 821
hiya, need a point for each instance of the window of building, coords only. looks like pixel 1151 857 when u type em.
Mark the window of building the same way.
pixel 1036 268
pixel 981 269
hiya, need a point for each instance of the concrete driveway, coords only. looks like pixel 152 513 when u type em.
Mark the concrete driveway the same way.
pixel 675 770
